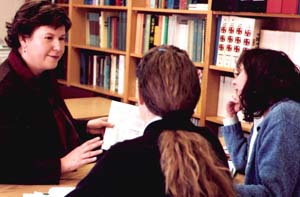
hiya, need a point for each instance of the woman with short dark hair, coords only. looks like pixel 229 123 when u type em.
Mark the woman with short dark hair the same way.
pixel 268 93
pixel 38 137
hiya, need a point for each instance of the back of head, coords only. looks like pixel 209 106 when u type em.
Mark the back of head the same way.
pixel 168 80
pixel 271 77
pixel 32 15
pixel 169 84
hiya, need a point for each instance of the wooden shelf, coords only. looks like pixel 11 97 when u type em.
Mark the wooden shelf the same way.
pixel 257 14
pixel 211 73
pixel 97 90
pixel 222 69
pixel 170 11
pixel 103 7
pixel 219 120
pixel 93 48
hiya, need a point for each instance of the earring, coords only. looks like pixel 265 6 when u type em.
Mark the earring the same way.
pixel 25 50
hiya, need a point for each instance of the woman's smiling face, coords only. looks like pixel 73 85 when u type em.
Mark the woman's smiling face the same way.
pixel 43 49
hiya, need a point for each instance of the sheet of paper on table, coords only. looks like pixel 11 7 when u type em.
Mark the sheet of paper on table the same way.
pixel 53 192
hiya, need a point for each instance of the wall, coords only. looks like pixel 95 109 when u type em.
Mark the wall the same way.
pixel 7 12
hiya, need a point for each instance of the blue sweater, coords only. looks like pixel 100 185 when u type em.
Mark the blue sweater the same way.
pixel 274 166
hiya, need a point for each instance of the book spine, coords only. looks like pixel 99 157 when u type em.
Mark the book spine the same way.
pixel 147 32
pixel 165 29
pixel 274 6
pixel 289 7
pixel 121 74
pixel 93 28
pixel 139 33
pixel 107 67
pixel 217 38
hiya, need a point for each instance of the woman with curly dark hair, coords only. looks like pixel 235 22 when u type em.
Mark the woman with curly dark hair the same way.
pixel 267 89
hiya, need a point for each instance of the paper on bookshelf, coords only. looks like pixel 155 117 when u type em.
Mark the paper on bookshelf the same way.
pixel 127 124
pixel 198 6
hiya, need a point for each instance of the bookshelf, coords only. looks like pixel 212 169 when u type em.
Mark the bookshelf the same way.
pixel 208 105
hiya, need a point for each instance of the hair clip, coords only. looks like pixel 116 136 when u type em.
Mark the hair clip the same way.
pixel 162 49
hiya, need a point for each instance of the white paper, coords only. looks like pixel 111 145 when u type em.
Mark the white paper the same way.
pixel 127 124
pixel 53 192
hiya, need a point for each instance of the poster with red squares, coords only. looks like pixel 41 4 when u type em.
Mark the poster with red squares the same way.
pixel 236 34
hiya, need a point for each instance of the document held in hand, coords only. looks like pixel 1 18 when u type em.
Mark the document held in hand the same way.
pixel 127 121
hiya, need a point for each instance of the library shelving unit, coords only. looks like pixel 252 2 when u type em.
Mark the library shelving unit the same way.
pixel 208 105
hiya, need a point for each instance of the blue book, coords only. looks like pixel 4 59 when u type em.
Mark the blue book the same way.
pixel 195 35
pixel 217 39
pixel 200 36
pixel 107 68
pixel 93 28
pixel 83 68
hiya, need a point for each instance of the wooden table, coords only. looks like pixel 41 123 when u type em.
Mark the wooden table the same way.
pixel 89 107
pixel 67 180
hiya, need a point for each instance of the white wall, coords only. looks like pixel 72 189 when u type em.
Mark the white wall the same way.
pixel 7 12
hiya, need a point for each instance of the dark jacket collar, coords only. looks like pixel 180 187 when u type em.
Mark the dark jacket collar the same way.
pixel 19 66
pixel 40 85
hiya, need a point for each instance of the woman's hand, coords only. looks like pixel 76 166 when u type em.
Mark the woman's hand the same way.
pixel 97 126
pixel 233 106
pixel 83 154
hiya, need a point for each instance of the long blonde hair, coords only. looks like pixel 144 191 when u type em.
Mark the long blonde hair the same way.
pixel 191 167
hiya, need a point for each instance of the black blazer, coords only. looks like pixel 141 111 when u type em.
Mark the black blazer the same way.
pixel 132 168
pixel 30 143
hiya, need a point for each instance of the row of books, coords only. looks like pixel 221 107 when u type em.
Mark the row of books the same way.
pixel 268 6
pixel 185 32
pixel 286 41
pixel 102 70
pixel 178 4
pixel 283 6
pixel 106 29
pixel 240 5
pixel 235 34
pixel 106 2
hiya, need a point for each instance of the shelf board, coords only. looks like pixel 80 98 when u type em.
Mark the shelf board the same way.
pixel 170 11
pixel 94 48
pixel 196 115
pixel 133 99
pixel 257 14
pixel 136 55
pixel 97 90
pixel 197 64
pixel 221 68
pixel 219 120
pixel 103 7
pixel 62 81
pixel 65 5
